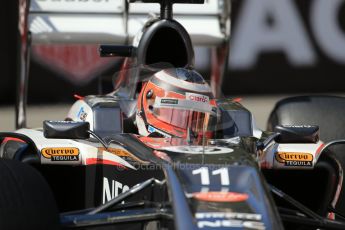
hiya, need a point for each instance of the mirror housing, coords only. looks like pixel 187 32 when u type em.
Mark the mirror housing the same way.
pixel 66 129
pixel 116 50
pixel 297 133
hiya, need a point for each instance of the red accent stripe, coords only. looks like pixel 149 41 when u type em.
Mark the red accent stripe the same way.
pixel 331 215
pixel 237 99
pixel 12 139
pixel 319 149
pixel 94 161
pixel 78 97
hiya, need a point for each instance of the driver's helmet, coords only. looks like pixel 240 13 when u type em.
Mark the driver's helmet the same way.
pixel 176 102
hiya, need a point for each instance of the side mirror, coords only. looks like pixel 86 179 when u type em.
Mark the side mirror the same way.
pixel 115 50
pixel 297 133
pixel 66 129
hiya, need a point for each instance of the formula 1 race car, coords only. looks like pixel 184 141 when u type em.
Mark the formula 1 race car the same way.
pixel 98 169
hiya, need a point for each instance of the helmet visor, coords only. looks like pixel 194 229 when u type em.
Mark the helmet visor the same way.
pixel 183 114
pixel 181 118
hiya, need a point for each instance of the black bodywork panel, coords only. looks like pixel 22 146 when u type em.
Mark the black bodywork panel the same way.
pixel 236 120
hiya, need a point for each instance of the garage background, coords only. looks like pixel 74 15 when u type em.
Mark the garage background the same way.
pixel 261 69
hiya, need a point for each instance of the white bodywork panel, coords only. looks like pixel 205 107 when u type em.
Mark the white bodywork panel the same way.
pixel 88 152
pixel 290 156
pixel 104 21
pixel 81 111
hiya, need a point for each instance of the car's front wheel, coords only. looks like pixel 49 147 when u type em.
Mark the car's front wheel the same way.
pixel 26 201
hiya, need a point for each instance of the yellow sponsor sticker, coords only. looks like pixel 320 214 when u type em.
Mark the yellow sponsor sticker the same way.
pixel 61 154
pixel 122 153
pixel 294 158
pixel 118 152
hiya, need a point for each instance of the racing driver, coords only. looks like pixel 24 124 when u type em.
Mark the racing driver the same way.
pixel 176 102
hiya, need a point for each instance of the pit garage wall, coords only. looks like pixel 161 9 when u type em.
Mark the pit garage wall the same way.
pixel 8 44
pixel 277 46
pixel 46 85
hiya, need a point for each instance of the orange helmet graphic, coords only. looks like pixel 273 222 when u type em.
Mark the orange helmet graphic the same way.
pixel 174 102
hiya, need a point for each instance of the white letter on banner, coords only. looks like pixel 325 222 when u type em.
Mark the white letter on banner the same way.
pixel 253 35
pixel 325 25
